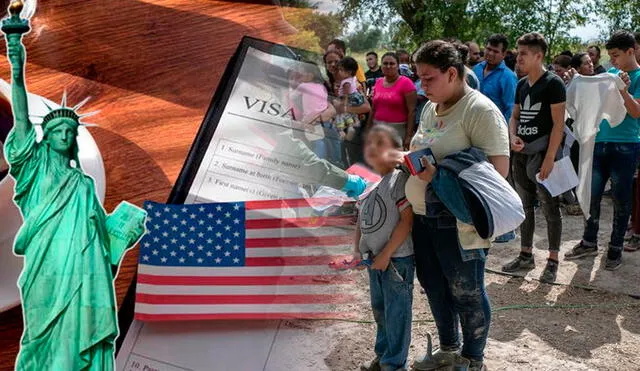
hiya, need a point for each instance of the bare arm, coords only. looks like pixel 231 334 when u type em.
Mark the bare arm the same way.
pixel 516 143
pixel 513 121
pixel 364 108
pixel 370 118
pixel 509 95
pixel 501 163
pixel 555 139
pixel 344 99
pixel 557 113
pixel 631 104
pixel 410 100
pixel 400 232
pixel 16 53
pixel 324 116
pixel 328 113
pixel 398 236
pixel 356 241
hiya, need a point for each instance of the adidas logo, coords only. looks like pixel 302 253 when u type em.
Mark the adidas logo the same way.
pixel 527 131
pixel 527 111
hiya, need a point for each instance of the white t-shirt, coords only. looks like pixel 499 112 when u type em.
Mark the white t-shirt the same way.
pixel 474 121
pixel 591 99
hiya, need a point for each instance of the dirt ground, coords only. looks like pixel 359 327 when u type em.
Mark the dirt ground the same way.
pixel 535 326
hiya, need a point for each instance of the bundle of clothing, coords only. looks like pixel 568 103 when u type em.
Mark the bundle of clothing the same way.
pixel 476 194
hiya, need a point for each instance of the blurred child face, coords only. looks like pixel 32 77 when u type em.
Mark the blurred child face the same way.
pixel 304 74
pixel 294 78
pixel 377 143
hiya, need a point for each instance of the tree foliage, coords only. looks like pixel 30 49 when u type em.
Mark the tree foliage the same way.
pixel 365 38
pixel 477 19
pixel 619 14
pixel 305 40
pixel 297 4
pixel 316 30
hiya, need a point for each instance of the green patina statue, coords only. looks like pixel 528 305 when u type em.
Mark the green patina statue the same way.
pixel 71 247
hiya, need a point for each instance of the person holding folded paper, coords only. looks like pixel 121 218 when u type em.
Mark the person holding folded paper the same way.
pixel 71 247
pixel 536 129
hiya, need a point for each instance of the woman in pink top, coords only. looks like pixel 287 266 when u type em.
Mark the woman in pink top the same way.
pixel 394 100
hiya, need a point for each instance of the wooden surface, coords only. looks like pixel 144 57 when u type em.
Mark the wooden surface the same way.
pixel 151 67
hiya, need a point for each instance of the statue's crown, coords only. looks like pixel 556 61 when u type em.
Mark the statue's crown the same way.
pixel 61 112
pixel 65 112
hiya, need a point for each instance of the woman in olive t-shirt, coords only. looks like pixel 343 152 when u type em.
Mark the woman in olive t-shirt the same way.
pixel 450 256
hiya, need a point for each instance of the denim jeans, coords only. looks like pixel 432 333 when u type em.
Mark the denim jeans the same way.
pixel 391 300
pixel 529 191
pixel 455 288
pixel 615 161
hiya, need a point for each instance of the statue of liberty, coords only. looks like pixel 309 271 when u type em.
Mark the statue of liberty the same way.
pixel 69 243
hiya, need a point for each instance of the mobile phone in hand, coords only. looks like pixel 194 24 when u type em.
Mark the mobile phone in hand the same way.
pixel 415 161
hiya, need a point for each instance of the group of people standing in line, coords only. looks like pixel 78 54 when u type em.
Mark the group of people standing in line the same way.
pixel 444 97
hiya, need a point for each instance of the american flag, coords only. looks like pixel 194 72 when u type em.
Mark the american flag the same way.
pixel 244 260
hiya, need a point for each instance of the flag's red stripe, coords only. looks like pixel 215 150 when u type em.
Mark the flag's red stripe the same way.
pixel 242 316
pixel 244 299
pixel 291 203
pixel 244 280
pixel 288 261
pixel 299 241
pixel 330 221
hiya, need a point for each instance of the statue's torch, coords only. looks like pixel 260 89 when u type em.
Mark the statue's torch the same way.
pixel 17 23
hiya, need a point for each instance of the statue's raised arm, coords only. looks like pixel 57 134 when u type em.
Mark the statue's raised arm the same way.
pixel 16 54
